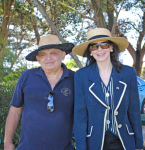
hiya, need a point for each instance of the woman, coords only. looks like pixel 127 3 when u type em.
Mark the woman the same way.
pixel 107 112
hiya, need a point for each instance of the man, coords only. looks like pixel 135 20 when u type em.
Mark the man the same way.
pixel 44 95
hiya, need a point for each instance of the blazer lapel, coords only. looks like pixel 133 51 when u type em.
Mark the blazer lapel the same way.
pixel 95 86
pixel 119 88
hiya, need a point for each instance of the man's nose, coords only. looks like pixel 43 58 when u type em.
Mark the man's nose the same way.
pixel 48 57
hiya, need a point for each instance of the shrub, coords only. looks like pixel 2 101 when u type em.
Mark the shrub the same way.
pixel 7 87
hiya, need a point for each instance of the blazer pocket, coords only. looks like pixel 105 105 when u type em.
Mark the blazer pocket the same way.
pixel 90 132
pixel 129 130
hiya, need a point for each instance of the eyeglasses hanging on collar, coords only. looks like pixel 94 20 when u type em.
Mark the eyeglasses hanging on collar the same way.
pixel 50 104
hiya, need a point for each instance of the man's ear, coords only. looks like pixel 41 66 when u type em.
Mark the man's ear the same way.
pixel 37 58
pixel 63 55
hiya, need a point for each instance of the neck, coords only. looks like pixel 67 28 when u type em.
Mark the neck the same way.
pixel 54 76
pixel 54 73
pixel 105 67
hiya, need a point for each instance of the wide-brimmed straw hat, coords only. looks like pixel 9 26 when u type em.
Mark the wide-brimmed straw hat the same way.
pixel 48 42
pixel 98 34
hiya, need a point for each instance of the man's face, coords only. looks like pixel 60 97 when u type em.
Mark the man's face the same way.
pixel 50 59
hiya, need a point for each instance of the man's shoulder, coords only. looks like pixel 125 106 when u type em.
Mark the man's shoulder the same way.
pixel 71 72
pixel 28 74
pixel 30 71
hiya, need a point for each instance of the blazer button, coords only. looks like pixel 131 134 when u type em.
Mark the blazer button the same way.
pixel 108 121
pixel 107 94
pixel 120 125
pixel 116 112
pixel 108 107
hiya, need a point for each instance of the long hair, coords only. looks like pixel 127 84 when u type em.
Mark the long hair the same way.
pixel 113 56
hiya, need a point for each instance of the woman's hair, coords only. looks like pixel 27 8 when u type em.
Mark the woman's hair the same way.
pixel 113 55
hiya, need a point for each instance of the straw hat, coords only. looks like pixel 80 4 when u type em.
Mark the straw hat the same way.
pixel 48 42
pixel 98 34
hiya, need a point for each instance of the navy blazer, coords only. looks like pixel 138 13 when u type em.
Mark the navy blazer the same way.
pixel 91 110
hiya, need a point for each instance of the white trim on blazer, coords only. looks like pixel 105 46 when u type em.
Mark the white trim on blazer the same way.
pixel 128 131
pixel 103 137
pixel 90 132
pixel 125 85
pixel 96 96
pixel 105 113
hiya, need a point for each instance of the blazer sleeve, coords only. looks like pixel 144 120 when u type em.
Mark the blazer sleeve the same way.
pixel 134 111
pixel 80 114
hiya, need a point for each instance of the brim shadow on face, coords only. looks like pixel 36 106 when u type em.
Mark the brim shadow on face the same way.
pixel 67 47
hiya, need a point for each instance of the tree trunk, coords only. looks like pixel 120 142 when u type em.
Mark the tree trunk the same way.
pixel 110 12
pixel 98 14
pixel 138 63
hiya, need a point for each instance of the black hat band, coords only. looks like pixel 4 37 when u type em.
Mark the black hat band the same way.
pixel 97 36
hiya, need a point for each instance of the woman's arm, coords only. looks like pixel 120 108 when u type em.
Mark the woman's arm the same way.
pixel 134 111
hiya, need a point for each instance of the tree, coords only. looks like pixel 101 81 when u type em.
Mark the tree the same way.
pixel 18 33
pixel 6 18
pixel 136 26
pixel 105 14
pixel 42 8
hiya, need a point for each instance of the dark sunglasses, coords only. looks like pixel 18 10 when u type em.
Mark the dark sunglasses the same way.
pixel 95 46
pixel 50 104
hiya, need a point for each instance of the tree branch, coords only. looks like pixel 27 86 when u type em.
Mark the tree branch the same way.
pixel 22 36
pixel 132 25
pixel 143 49
pixel 121 6
pixel 131 51
pixel 17 56
pixel 117 14
pixel 73 9
pixel 113 6
pixel 34 24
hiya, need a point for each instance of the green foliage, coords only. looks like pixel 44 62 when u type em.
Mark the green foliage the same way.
pixel 71 64
pixel 7 87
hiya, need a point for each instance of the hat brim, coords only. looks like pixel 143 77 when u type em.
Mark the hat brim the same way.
pixel 120 41
pixel 67 47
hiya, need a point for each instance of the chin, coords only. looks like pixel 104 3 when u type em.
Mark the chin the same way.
pixel 48 68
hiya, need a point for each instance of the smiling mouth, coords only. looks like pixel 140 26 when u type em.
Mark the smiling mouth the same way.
pixel 49 63
pixel 100 54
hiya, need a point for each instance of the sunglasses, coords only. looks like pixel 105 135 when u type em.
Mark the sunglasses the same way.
pixel 50 104
pixel 95 46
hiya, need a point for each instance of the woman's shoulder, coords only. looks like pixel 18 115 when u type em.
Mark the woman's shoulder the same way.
pixel 128 69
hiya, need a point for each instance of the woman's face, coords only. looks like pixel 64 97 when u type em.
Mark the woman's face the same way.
pixel 101 51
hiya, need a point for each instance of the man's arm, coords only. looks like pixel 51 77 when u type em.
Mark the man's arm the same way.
pixel 11 124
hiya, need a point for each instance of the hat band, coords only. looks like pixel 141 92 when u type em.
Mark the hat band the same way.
pixel 97 36
pixel 46 46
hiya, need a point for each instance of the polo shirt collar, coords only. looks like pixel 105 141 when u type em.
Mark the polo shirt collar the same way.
pixel 41 73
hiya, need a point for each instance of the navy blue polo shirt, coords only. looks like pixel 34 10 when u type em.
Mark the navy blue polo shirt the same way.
pixel 41 129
